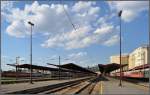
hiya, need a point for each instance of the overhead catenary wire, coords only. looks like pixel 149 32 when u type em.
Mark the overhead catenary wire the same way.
pixel 68 16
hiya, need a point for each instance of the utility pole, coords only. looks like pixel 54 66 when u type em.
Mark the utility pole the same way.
pixel 149 48
pixel 0 55
pixel 59 64
pixel 120 84
pixel 144 63
pixel 31 52
pixel 59 68
pixel 17 64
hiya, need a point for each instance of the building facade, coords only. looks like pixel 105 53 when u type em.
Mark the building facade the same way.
pixel 124 60
pixel 116 59
pixel 139 56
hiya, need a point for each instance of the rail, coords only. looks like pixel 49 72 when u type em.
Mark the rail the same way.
pixel 51 88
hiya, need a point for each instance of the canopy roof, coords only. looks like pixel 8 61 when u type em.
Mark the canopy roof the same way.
pixel 72 66
pixel 107 68
pixel 141 67
pixel 39 67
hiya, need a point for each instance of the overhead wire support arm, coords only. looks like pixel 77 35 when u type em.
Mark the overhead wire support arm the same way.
pixel 69 18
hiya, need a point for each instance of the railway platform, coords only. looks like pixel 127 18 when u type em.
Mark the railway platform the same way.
pixel 111 86
pixel 23 86
pixel 94 86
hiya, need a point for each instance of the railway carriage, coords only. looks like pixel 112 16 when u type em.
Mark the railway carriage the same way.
pixel 137 72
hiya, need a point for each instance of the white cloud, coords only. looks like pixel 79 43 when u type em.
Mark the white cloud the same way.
pixel 68 39
pixel 81 38
pixel 131 9
pixel 103 30
pixel 16 29
pixel 85 7
pixel 6 5
pixel 79 58
pixel 128 15
pixel 111 41
pixel 77 55
pixel 47 18
pixel 51 20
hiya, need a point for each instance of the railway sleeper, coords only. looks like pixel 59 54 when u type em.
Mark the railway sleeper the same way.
pixel 45 88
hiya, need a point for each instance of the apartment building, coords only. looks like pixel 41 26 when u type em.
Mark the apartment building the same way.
pixel 139 56
pixel 124 60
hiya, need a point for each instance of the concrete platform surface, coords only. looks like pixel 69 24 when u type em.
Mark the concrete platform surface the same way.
pixel 104 86
pixel 22 86
pixel 110 86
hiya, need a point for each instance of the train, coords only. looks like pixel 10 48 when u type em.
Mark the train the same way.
pixel 137 72
pixel 20 74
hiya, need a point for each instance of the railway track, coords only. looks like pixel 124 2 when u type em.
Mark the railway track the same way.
pixel 73 89
pixel 56 87
pixel 87 89
pixel 84 88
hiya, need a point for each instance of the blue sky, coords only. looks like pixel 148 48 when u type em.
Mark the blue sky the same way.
pixel 95 39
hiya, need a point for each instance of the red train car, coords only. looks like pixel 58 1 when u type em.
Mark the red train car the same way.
pixel 137 72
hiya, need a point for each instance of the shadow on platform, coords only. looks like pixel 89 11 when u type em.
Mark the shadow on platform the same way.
pixel 100 78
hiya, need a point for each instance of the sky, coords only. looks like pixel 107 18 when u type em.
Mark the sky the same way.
pixel 92 40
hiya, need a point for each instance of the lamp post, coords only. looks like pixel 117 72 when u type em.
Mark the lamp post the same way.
pixel 59 67
pixel 17 64
pixel 0 57
pixel 119 15
pixel 31 52
pixel 149 46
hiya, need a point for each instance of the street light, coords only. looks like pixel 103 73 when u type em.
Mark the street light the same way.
pixel 119 15
pixel 17 64
pixel 0 57
pixel 149 50
pixel 31 52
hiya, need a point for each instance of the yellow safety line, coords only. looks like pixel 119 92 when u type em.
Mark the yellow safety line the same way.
pixel 101 88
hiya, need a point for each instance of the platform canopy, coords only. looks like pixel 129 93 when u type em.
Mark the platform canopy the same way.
pixel 38 67
pixel 107 68
pixel 145 66
pixel 74 67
